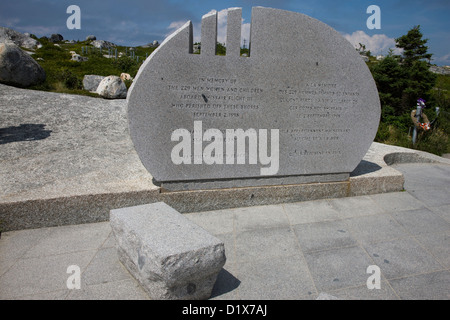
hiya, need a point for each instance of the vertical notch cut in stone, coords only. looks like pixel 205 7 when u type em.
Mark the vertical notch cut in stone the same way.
pixel 191 38
pixel 234 25
pixel 209 34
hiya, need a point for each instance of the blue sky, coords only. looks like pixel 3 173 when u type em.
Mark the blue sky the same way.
pixel 138 22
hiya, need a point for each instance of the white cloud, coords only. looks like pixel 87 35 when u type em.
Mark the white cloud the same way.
pixel 443 60
pixel 377 44
pixel 174 26
pixel 222 28
pixel 39 30
pixel 245 34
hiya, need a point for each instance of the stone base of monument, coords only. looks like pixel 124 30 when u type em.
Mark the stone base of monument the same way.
pixel 170 256
pixel 251 182
pixel 87 200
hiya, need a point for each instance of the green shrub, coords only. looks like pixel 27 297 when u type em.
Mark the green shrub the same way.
pixel 435 141
pixel 126 64
pixel 70 80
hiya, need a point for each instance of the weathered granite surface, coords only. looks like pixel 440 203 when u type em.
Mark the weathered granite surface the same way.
pixel 68 159
pixel 170 256
pixel 301 78
pixel 91 82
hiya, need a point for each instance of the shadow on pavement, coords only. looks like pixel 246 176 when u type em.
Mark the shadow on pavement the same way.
pixel 226 282
pixel 24 132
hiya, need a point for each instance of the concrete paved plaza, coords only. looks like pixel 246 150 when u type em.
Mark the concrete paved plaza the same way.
pixel 298 251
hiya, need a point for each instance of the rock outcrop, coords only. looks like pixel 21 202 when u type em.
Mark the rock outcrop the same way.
pixel 19 68
pixel 91 82
pixel 8 35
pixel 102 44
pixel 112 87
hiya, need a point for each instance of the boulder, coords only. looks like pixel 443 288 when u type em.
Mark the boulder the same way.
pixel 112 87
pixel 154 44
pixel 91 38
pixel 91 82
pixel 8 35
pixel 56 37
pixel 18 68
pixel 445 70
pixel 102 44
pixel 78 58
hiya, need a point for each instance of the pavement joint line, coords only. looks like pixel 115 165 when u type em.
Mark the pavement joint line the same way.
pixel 392 288
pixel 14 297
pixel 418 274
pixel 237 293
pixel 356 286
pixel 427 250
pixel 299 247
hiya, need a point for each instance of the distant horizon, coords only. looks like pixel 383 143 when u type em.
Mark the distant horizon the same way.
pixel 136 23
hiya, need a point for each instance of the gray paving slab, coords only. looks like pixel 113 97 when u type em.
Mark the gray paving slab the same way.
pixel 215 222
pixel 310 211
pixel 355 207
pixel 430 286
pixel 375 228
pixel 41 274
pixel 397 201
pixel 323 235
pixel 54 295
pixel 362 293
pixel 284 278
pixel 421 221
pixel 13 245
pixel 265 244
pixel 443 211
pixel 338 268
pixel 68 239
pixel 420 176
pixel 402 257
pixel 105 267
pixel 251 218
pixel 118 290
pixel 433 197
pixel 438 244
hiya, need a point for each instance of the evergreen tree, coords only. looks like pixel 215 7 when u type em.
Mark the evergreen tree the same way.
pixel 391 81
pixel 401 80
pixel 414 61
pixel 414 47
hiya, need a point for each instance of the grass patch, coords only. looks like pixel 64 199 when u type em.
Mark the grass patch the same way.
pixel 66 76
